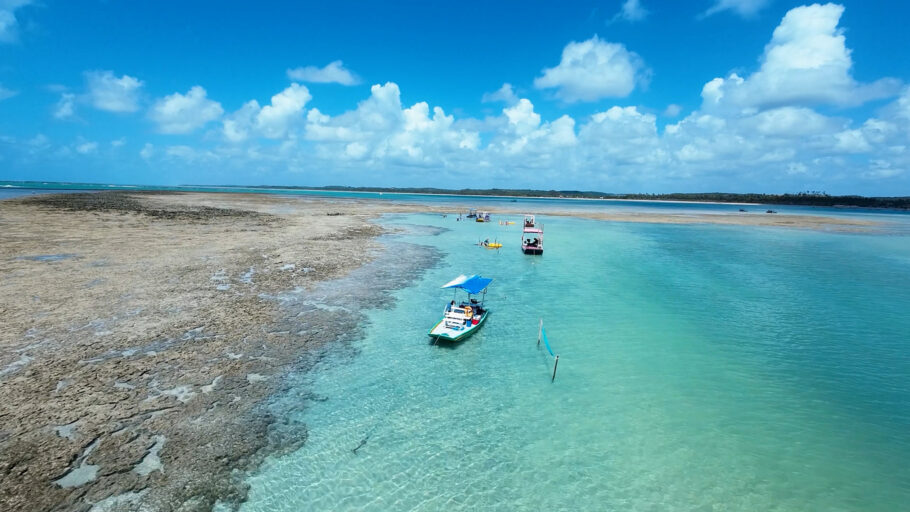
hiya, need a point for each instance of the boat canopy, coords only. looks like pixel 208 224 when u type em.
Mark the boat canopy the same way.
pixel 473 284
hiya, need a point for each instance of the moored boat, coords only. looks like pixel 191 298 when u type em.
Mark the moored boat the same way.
pixel 483 217
pixel 531 236
pixel 462 318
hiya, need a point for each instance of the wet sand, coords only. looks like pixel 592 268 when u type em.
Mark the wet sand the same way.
pixel 141 337
pixel 144 332
pixel 739 219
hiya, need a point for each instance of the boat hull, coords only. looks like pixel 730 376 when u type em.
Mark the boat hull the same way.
pixel 532 250
pixel 441 332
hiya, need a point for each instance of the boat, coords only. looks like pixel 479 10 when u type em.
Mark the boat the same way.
pixel 472 213
pixel 490 245
pixel 464 318
pixel 531 236
pixel 483 217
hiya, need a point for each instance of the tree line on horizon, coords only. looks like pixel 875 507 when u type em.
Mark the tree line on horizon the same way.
pixel 808 198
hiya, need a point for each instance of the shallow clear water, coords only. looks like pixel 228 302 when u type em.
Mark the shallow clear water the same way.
pixel 9 189
pixel 701 367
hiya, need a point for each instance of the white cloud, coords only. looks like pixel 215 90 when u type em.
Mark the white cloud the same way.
pixel 272 121
pixel 380 130
pixel 238 125
pixel 65 109
pixel 744 8
pixel 6 93
pixel 178 113
pixel 792 122
pixel 504 94
pixel 118 142
pixel 732 142
pixel 806 62
pixel 631 10
pixel 592 70
pixel 334 72
pixel 107 92
pixel 85 148
pixel 522 118
pixel 9 25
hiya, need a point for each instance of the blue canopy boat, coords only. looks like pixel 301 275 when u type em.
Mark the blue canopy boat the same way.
pixel 462 319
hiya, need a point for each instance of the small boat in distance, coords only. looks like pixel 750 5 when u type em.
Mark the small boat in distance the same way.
pixel 462 319
pixel 490 245
pixel 531 236
pixel 483 217
pixel 472 213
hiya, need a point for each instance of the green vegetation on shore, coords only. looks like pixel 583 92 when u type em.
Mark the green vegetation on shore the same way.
pixel 801 198
pixel 810 198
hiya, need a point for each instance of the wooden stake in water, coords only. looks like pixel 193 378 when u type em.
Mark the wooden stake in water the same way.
pixel 554 369
pixel 539 331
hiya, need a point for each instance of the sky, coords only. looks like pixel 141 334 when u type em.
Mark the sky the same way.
pixel 618 96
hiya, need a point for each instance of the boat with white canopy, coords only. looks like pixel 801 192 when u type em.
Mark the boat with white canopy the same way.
pixel 462 318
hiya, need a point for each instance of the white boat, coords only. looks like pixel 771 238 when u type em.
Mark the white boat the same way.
pixel 531 236
pixel 462 318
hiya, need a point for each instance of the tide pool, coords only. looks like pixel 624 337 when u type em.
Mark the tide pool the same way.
pixel 701 368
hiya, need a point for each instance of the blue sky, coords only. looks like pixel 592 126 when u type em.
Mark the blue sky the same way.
pixel 618 96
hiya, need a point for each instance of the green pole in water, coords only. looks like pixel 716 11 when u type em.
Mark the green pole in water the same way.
pixel 554 369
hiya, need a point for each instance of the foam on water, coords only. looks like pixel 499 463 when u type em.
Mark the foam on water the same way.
pixel 701 367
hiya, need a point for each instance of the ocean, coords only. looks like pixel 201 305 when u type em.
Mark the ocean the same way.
pixel 701 367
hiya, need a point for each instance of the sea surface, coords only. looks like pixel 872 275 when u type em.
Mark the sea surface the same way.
pixel 10 189
pixel 700 367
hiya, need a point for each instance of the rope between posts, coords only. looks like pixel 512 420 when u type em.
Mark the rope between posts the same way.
pixel 543 333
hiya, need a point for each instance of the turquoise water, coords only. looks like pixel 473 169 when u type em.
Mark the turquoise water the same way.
pixel 701 368
pixel 10 189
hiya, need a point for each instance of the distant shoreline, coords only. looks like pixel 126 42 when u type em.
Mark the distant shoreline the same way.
pixel 811 199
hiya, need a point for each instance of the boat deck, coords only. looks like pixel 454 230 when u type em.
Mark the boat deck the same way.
pixel 456 325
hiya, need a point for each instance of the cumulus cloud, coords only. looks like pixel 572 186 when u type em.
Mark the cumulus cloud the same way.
pixel 273 120
pixel 807 62
pixel 504 94
pixel 333 73
pixel 672 110
pixel 6 93
pixel 631 10
pixel 107 92
pixel 380 130
pixel 592 70
pixel 65 107
pixel 84 148
pixel 9 25
pixel 179 113
pixel 744 8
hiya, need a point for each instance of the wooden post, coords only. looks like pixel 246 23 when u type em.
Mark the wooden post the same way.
pixel 554 369
pixel 539 331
